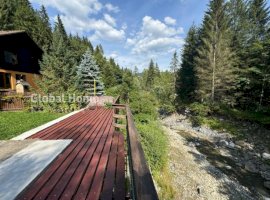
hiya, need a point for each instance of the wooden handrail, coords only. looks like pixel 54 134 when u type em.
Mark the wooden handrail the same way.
pixel 116 100
pixel 143 185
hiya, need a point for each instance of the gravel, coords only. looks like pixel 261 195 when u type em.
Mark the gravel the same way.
pixel 195 178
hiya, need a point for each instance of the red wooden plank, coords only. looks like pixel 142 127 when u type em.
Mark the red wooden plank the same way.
pixel 59 133
pixel 38 184
pixel 71 129
pixel 45 190
pixel 57 125
pixel 109 179
pixel 78 167
pixel 69 132
pixel 96 186
pixel 119 193
pixel 90 172
pixel 81 170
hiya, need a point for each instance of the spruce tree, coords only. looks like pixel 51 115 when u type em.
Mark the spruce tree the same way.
pixel 186 79
pixel 214 63
pixel 88 74
pixel 25 18
pixel 7 9
pixel 174 65
pixel 150 75
pixel 259 19
pixel 254 86
pixel 44 29
pixel 58 66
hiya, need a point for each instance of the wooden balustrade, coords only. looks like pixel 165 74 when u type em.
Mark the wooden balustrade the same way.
pixel 142 184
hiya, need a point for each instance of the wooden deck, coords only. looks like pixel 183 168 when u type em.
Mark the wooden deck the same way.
pixel 91 167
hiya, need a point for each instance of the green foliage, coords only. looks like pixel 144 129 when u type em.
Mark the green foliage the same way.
pixel 186 82
pixel 200 109
pixel 7 14
pixel 143 102
pixel 108 105
pixel 214 63
pixel 155 144
pixel 15 123
pixel 113 91
pixel 151 74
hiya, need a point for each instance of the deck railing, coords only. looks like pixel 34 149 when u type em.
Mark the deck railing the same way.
pixel 10 101
pixel 142 184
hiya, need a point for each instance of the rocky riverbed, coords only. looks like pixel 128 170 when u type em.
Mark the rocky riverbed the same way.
pixel 208 164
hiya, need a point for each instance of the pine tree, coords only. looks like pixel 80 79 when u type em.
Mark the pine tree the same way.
pixel 186 79
pixel 214 63
pixel 44 29
pixel 255 81
pixel 60 27
pixel 7 9
pixel 58 66
pixel 89 74
pixel 157 71
pixel 174 65
pixel 259 19
pixel 25 18
pixel 136 71
pixel 78 47
pixel 150 75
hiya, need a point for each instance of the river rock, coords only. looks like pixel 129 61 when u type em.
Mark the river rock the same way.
pixel 266 156
pixel 231 145
pixel 267 184
pixel 223 143
pixel 251 167
pixel 266 175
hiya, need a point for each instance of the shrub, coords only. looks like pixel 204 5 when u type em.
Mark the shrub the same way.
pixel 155 144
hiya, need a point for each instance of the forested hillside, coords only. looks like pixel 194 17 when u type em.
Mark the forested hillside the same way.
pixel 226 59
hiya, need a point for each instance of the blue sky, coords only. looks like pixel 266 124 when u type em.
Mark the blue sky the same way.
pixel 130 31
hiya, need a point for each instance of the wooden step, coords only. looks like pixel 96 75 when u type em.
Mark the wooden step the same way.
pixel 119 107
pixel 119 116
pixel 122 126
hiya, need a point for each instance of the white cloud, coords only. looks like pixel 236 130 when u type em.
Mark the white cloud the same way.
pixel 155 37
pixel 78 8
pixel 105 31
pixel 112 8
pixel 108 18
pixel 170 21
pixel 78 17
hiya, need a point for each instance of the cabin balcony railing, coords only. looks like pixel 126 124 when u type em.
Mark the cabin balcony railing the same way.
pixel 142 184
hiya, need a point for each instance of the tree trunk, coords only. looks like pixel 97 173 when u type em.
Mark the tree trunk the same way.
pixel 214 65
pixel 262 93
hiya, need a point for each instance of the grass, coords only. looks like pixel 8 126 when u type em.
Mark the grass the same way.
pixel 222 118
pixel 155 145
pixel 15 123
pixel 259 116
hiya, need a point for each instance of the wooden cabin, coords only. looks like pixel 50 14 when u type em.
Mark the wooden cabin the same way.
pixel 19 59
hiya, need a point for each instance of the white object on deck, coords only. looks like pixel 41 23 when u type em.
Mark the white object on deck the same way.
pixel 18 171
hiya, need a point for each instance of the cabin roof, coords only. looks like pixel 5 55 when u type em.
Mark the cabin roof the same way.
pixel 19 39
pixel 20 35
pixel 11 32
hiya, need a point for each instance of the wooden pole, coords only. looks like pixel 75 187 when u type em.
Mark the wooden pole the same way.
pixel 95 88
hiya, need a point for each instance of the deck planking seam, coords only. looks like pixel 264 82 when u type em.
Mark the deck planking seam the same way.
pixel 55 126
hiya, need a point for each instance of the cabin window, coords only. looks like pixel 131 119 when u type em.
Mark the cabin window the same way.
pixel 10 58
pixel 5 82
